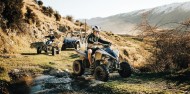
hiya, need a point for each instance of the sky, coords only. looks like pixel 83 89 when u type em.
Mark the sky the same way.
pixel 86 9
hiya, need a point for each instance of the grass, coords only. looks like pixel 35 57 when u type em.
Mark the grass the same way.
pixel 145 83
pixel 33 63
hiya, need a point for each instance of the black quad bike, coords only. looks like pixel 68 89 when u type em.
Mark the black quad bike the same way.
pixel 105 61
pixel 72 40
pixel 49 47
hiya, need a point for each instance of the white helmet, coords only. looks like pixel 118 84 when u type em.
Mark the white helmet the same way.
pixel 96 28
pixel 51 32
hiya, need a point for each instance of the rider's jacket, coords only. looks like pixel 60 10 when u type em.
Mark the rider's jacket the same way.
pixel 91 39
pixel 52 38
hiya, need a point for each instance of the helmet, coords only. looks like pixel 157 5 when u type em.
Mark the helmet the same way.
pixel 96 28
pixel 51 33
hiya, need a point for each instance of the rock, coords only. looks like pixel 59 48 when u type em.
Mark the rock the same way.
pixel 17 75
pixel 15 71
pixel 59 73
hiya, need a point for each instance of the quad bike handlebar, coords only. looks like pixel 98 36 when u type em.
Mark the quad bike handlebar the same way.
pixel 100 45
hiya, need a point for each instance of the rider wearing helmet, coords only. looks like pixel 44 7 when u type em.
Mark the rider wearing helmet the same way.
pixel 94 39
pixel 51 36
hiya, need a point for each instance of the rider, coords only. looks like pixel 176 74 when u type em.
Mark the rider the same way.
pixel 94 39
pixel 51 36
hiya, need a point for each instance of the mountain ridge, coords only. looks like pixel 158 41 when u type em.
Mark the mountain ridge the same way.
pixel 125 23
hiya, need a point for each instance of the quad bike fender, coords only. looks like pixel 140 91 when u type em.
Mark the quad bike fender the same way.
pixel 82 54
pixel 99 53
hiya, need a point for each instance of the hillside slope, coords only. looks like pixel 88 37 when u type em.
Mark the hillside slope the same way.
pixel 30 29
pixel 18 40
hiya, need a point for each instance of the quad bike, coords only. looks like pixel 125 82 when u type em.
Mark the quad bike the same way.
pixel 105 61
pixel 72 40
pixel 49 47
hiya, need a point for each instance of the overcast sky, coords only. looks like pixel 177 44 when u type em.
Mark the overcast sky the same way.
pixel 85 9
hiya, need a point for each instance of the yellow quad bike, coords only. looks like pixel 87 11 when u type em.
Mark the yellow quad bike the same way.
pixel 105 61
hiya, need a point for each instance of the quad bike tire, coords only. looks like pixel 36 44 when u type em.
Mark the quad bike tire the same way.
pixel 63 47
pixel 53 51
pixel 39 51
pixel 125 70
pixel 57 52
pixel 78 69
pixel 46 50
pixel 77 46
pixel 97 63
pixel 101 73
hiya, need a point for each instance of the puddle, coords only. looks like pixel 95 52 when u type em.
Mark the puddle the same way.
pixel 57 82
pixel 46 84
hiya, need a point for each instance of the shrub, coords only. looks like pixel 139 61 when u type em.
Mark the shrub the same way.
pixel 171 48
pixel 44 8
pixel 2 6
pixel 77 22
pixel 30 15
pixel 69 18
pixel 12 11
pixel 48 11
pixel 57 16
pixel 40 3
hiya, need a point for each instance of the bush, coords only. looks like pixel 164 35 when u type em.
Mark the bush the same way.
pixel 77 22
pixel 69 18
pixel 44 9
pixel 40 3
pixel 12 11
pixel 171 48
pixel 2 6
pixel 30 15
pixel 48 11
pixel 57 16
